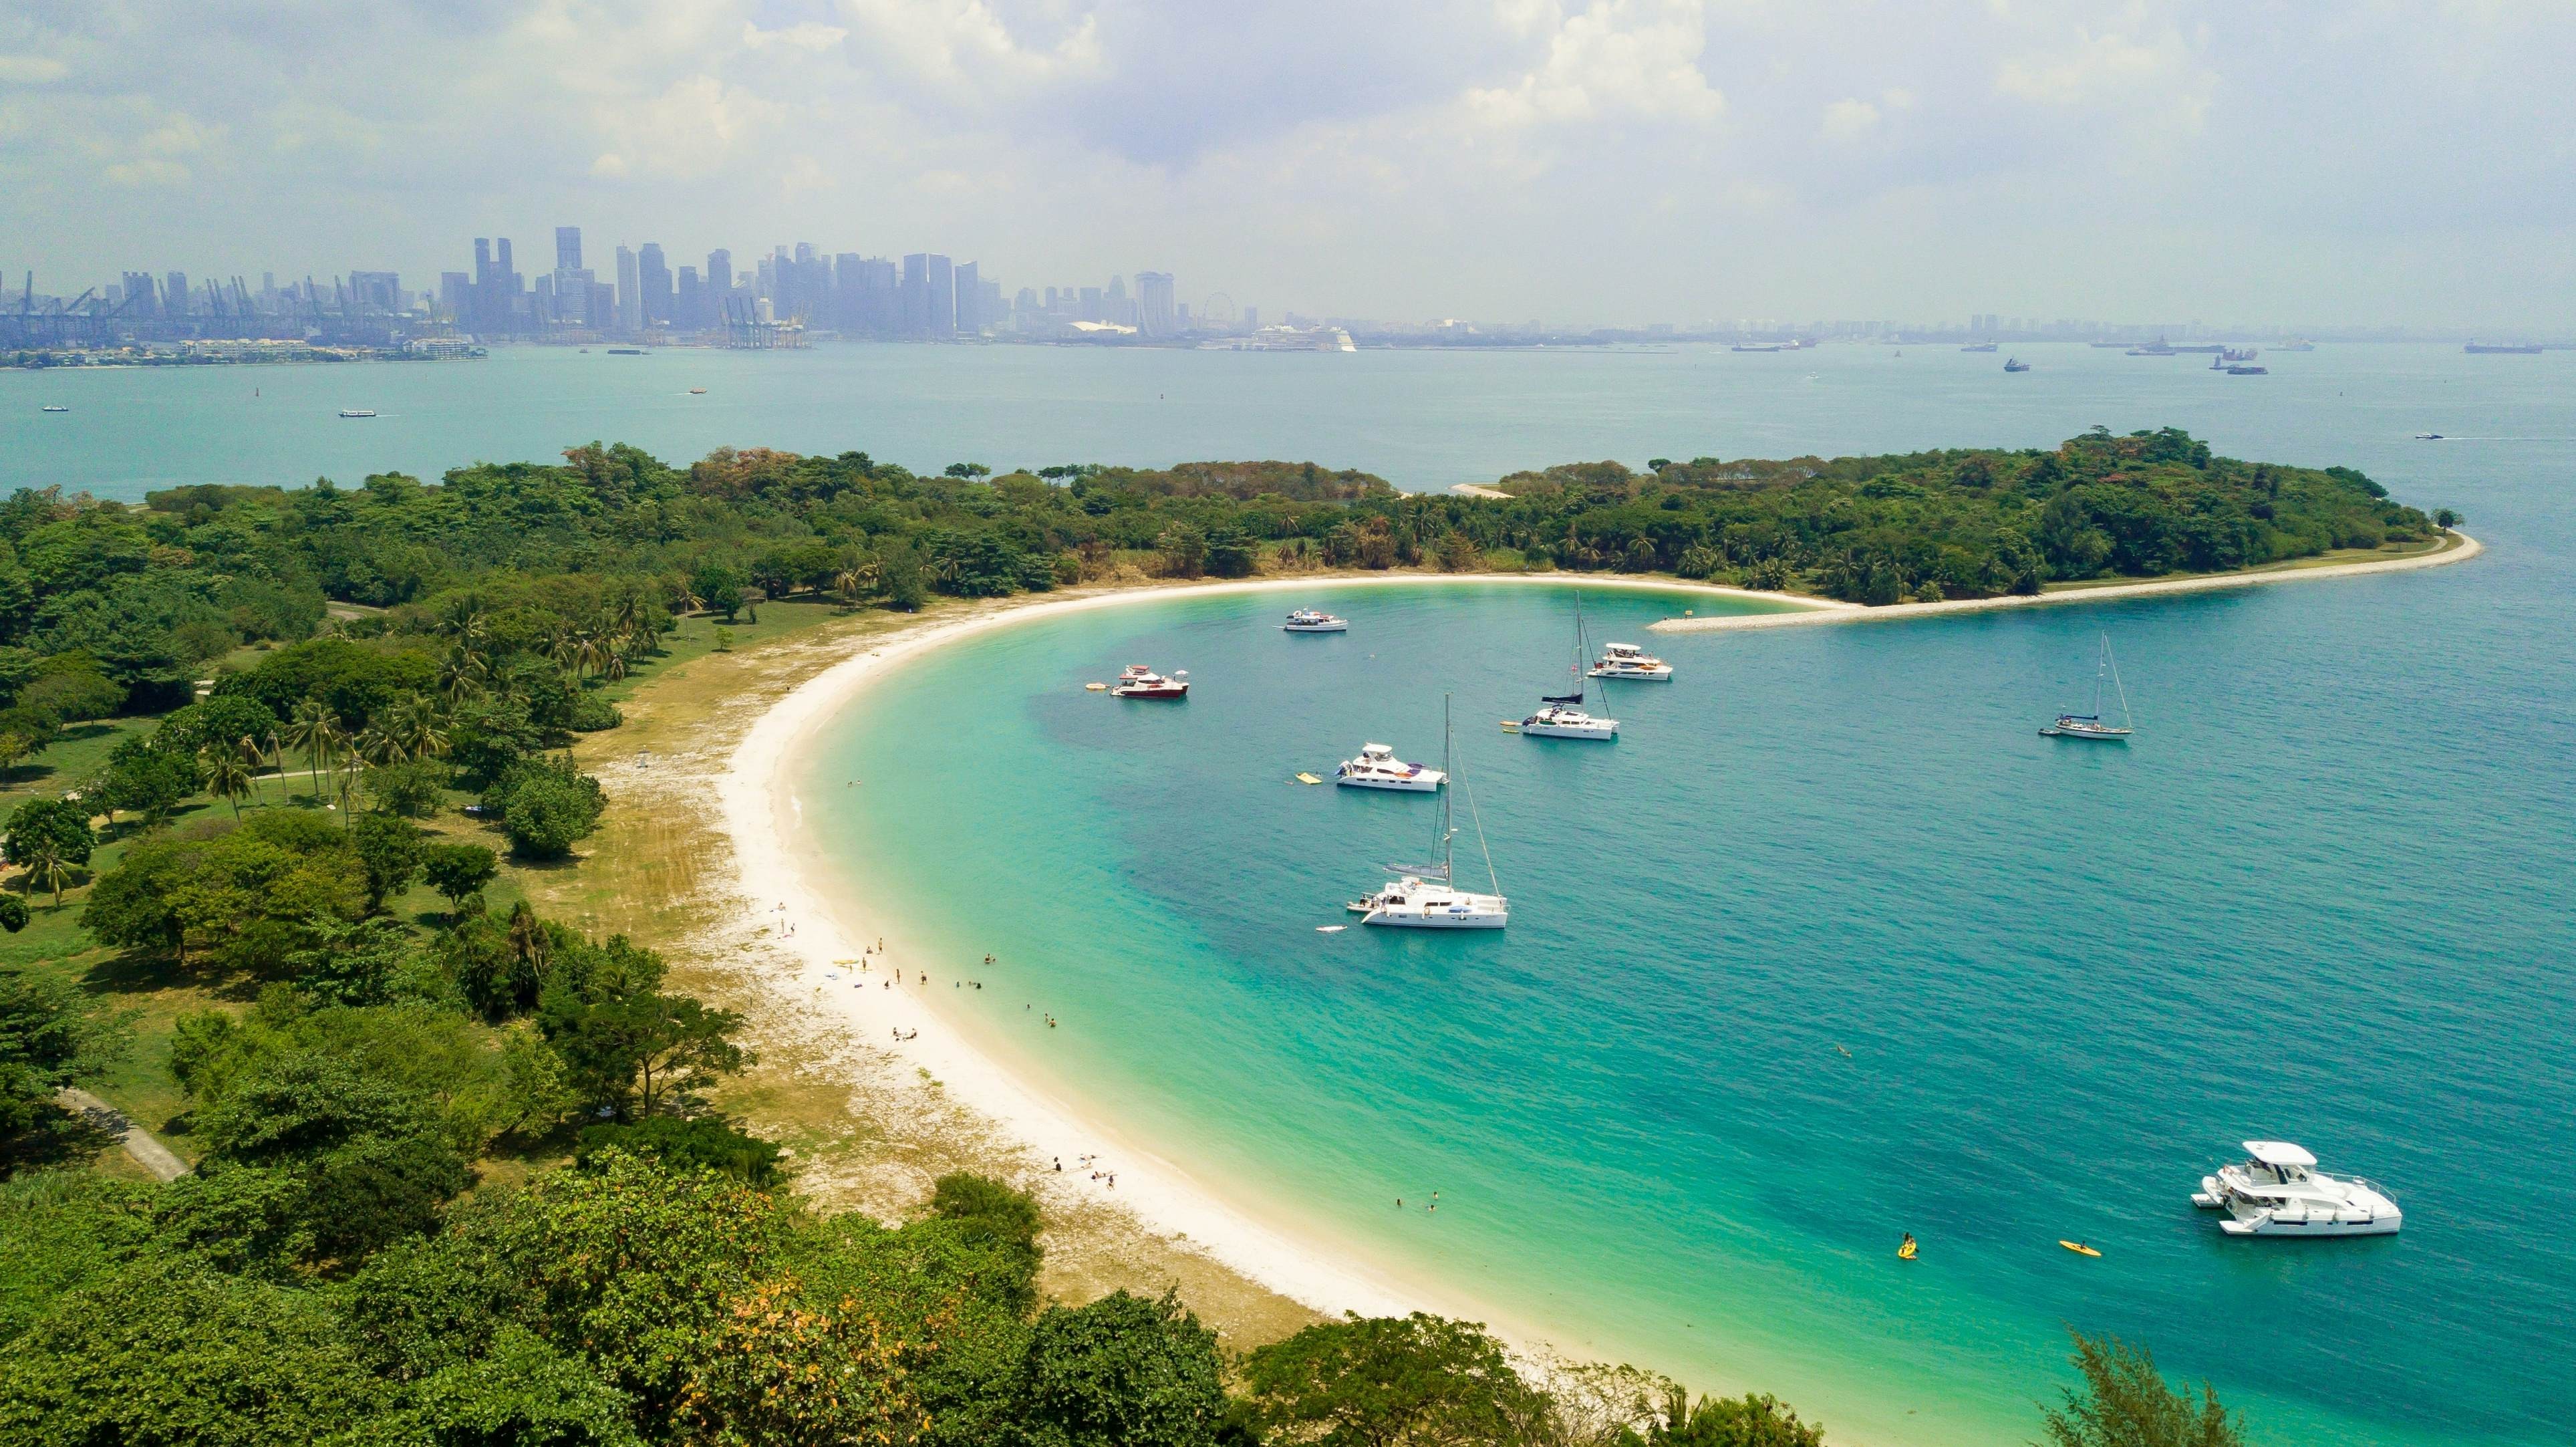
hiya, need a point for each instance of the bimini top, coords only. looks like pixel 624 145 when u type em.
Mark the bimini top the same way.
pixel 2279 1153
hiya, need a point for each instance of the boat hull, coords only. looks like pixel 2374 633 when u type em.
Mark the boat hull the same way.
pixel 1562 731
pixel 1434 919
pixel 1152 695
pixel 1649 675
pixel 1314 628
pixel 2267 1225
pixel 1430 784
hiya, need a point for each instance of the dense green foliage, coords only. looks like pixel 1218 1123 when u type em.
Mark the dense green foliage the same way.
pixel 2124 1402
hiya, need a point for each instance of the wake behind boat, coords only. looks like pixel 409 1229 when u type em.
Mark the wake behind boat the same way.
pixel 1425 896
pixel 1309 620
pixel 2278 1191
pixel 2092 725
pixel 1377 767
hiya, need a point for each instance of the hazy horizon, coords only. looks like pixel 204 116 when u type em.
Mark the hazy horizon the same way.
pixel 1614 161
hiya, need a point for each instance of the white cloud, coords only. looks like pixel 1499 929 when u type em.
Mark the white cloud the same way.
pixel 1846 119
pixel 1618 59
pixel 32 69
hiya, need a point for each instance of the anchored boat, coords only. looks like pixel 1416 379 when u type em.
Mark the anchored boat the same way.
pixel 1424 896
pixel 2092 725
pixel 2277 1190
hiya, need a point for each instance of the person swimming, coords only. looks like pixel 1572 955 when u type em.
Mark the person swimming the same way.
pixel 1906 1250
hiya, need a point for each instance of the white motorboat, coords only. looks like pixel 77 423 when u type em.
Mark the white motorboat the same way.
pixel 1425 896
pixel 2277 1190
pixel 1559 721
pixel 1142 682
pixel 1559 716
pixel 1309 620
pixel 1627 660
pixel 2093 725
pixel 357 412
pixel 1377 767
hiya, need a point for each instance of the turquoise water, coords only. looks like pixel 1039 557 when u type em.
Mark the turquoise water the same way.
pixel 2323 896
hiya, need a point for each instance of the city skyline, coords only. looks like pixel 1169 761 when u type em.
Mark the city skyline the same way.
pixel 1611 161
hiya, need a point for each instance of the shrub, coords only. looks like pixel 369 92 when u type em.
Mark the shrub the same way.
pixel 688 1145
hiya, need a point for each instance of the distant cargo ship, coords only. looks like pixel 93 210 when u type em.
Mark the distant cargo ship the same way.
pixel 2496 348
pixel 1979 347
pixel 625 351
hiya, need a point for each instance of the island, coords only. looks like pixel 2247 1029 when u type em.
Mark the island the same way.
pixel 389 1047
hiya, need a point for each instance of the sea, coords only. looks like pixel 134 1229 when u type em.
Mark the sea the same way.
pixel 1829 947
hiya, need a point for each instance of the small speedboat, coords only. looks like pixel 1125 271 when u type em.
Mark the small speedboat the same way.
pixel 1142 682
pixel 2277 1190
pixel 1309 620
pixel 357 412
pixel 2420 436
pixel 1627 660
pixel 697 391
pixel 53 407
pixel 1377 767
pixel 2015 364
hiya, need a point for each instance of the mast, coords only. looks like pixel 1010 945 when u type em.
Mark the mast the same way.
pixel 1447 872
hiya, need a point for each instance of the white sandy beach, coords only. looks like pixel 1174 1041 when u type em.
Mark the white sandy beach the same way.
pixel 1823 611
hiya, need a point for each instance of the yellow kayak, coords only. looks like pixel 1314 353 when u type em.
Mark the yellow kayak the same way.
pixel 1306 778
pixel 2079 1248
pixel 1905 1252
pixel 1095 688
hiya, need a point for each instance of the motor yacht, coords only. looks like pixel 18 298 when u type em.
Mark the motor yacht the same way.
pixel 1564 721
pixel 1309 620
pixel 1627 660
pixel 1377 767
pixel 2277 1190
pixel 1142 682
pixel 1426 896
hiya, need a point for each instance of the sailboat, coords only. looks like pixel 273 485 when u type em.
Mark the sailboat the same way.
pixel 2093 725
pixel 1558 717
pixel 1423 895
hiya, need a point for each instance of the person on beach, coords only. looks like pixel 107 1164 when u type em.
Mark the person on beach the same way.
pixel 1059 1165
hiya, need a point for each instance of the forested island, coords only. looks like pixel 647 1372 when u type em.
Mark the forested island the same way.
pixel 275 764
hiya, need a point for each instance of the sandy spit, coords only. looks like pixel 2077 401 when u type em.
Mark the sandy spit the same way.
pixel 2466 548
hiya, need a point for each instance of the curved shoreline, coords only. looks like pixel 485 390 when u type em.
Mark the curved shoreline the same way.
pixel 2466 548
pixel 761 811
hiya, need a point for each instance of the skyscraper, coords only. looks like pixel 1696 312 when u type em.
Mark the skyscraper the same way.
pixel 689 308
pixel 1154 316
pixel 630 296
pixel 970 301
pixel 139 301
pixel 720 273
pixel 929 296
pixel 655 279
pixel 174 294
pixel 567 248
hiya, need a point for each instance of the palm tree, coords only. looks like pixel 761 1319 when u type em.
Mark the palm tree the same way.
pixel 380 743
pixel 46 866
pixel 462 674
pixel 853 580
pixel 464 620
pixel 226 771
pixel 316 730
pixel 418 728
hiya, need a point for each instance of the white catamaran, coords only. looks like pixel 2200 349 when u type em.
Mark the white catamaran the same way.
pixel 1423 896
pixel 2093 725
pixel 1559 715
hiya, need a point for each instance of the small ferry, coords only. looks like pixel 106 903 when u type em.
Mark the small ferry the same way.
pixel 2249 371
pixel 2278 1191
pixel 53 407
pixel 697 391
pixel 2015 364
pixel 357 412
pixel 1627 660
pixel 1979 347
pixel 1310 620
pixel 1377 767
pixel 1142 682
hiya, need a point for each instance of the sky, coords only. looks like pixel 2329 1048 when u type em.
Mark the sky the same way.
pixel 1575 161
